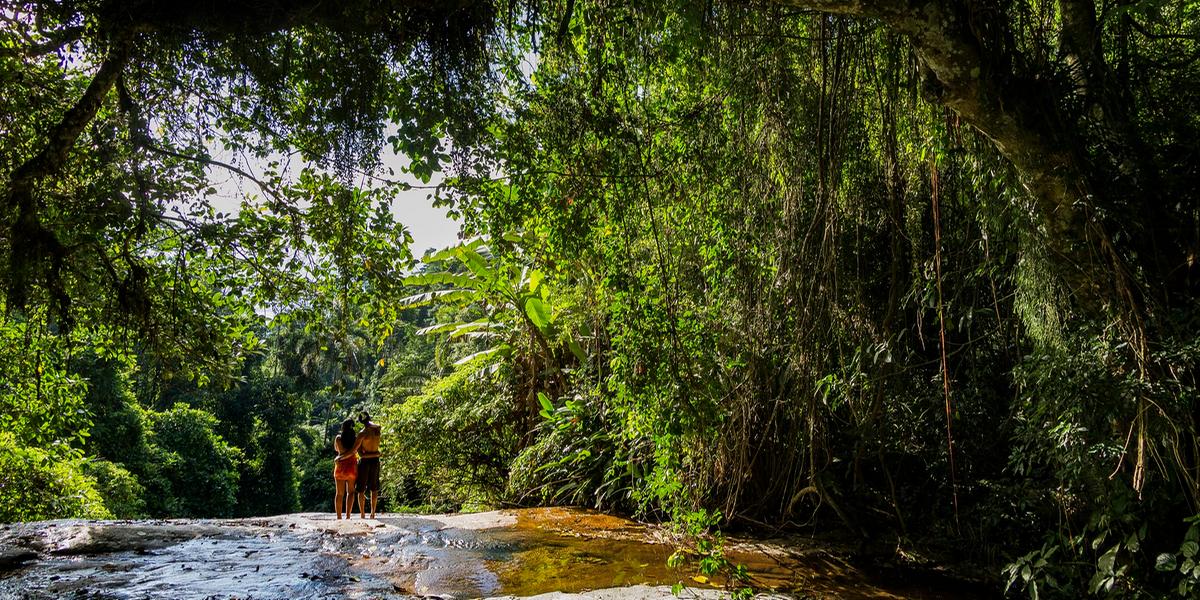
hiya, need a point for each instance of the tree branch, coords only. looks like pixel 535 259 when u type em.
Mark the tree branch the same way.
pixel 30 242
pixel 62 137
pixel 149 145
pixel 54 40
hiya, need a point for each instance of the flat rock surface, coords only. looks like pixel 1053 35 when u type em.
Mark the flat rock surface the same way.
pixel 548 554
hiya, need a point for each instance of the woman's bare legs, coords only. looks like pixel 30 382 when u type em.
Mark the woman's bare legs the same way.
pixel 340 487
pixel 344 497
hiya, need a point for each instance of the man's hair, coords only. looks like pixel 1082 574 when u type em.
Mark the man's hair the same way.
pixel 364 417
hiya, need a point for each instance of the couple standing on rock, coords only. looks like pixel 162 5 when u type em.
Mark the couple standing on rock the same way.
pixel 350 477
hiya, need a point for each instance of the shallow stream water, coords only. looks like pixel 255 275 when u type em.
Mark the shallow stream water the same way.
pixel 565 553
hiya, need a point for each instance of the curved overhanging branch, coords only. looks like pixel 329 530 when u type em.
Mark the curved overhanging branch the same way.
pixel 63 135
pixel 222 18
pixel 29 241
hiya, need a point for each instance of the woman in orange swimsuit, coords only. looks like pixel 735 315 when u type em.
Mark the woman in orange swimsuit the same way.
pixel 345 468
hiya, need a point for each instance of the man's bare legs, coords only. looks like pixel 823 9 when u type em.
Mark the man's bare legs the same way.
pixel 362 504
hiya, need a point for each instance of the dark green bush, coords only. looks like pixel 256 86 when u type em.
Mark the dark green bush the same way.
pixel 193 471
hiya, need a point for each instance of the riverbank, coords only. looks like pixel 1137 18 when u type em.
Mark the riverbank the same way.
pixel 528 553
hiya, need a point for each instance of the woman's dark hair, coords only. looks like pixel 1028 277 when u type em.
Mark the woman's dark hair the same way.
pixel 347 434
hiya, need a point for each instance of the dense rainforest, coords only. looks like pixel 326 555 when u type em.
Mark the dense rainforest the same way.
pixel 920 272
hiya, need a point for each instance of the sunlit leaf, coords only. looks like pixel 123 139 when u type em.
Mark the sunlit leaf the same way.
pixel 538 313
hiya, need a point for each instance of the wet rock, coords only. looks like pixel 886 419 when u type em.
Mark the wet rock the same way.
pixel 19 543
pixel 13 556
pixel 98 537
pixel 548 554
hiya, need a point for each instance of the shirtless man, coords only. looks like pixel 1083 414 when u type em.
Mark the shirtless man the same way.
pixel 368 464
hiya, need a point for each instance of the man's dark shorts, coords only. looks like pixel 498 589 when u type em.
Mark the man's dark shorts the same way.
pixel 368 475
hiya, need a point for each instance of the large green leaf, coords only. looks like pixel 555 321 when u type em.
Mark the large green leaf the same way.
pixel 535 279
pixel 477 264
pixel 539 313
pixel 547 406
pixel 478 328
pixel 436 329
pixel 523 239
pixel 441 296
pixel 1165 562
pixel 494 351
pixel 577 350
pixel 454 279
pixel 454 251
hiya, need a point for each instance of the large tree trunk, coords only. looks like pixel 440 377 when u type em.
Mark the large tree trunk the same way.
pixel 973 77
pixel 1090 173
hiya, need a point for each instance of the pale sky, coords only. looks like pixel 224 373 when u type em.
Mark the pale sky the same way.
pixel 429 226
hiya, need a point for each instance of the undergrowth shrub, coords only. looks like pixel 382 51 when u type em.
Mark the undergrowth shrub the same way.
pixel 1068 462
pixel 453 443
pixel 35 485
pixel 121 491
pixel 574 460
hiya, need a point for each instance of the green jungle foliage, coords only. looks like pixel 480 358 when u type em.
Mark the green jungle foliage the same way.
pixel 37 485
pixel 923 272
pixel 452 443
